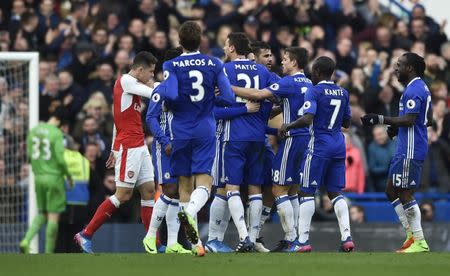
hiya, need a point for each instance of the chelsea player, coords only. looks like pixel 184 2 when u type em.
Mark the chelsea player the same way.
pixel 190 81
pixel 326 110
pixel 244 138
pixel 411 129
pixel 290 90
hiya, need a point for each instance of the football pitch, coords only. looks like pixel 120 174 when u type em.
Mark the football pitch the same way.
pixel 361 264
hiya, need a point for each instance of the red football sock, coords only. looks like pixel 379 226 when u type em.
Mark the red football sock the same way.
pixel 146 215
pixel 104 212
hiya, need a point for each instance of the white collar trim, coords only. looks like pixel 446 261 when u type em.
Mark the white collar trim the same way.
pixel 190 53
pixel 327 82
pixel 413 80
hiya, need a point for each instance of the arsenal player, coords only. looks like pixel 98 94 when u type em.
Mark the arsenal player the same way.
pixel 130 155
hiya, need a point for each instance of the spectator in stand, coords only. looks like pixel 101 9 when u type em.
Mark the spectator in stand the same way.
pixel 136 29
pixel 427 211
pixel 345 59
pixel 122 62
pixel 357 215
pixel 354 168
pixel 104 81
pixel 83 63
pixel 48 19
pixel 49 100
pixel 103 43
pixel 380 153
pixel 92 136
pixel 73 95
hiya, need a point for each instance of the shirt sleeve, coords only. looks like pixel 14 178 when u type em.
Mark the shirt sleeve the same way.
pixel 59 152
pixel 348 112
pixel 412 101
pixel 310 105
pixel 154 111
pixel 226 113
pixel 131 85
pixel 281 89
pixel 171 81
pixel 226 94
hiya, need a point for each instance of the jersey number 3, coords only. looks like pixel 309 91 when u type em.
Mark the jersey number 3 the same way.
pixel 46 152
pixel 197 85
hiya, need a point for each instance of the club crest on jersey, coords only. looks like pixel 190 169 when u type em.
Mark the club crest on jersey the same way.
pixel 156 97
pixel 410 104
pixel 167 175
pixel 130 174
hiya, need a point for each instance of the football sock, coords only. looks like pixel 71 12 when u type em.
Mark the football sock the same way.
pixel 265 215
pixel 224 224
pixel 398 207
pixel 412 211
pixel 237 213
pixel 286 214
pixel 146 212
pixel 38 221
pixel 341 210
pixel 198 199
pixel 104 212
pixel 307 209
pixel 216 216
pixel 159 211
pixel 254 209
pixel 50 236
pixel 296 208
pixel 173 224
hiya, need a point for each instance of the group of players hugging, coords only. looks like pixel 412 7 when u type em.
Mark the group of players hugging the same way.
pixel 210 124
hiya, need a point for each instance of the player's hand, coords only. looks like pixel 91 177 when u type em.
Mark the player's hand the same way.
pixel 111 161
pixel 372 119
pixel 282 131
pixel 252 107
pixel 392 131
pixel 168 149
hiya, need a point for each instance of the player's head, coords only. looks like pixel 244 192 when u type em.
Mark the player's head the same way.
pixel 190 35
pixel 237 44
pixel 294 59
pixel 322 69
pixel 58 117
pixel 263 53
pixel 143 66
pixel 409 66
pixel 173 53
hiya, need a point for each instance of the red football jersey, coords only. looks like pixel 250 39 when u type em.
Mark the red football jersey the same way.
pixel 127 111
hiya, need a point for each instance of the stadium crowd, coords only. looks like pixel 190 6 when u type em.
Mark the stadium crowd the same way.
pixel 85 45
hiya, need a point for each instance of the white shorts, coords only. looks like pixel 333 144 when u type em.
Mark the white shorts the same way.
pixel 133 167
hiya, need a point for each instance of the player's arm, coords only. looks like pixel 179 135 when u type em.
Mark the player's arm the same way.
pixel 275 111
pixel 154 111
pixel 271 131
pixel 132 86
pixel 252 94
pixel 226 95
pixel 227 113
pixel 347 115
pixel 309 111
pixel 170 82
pixel 59 154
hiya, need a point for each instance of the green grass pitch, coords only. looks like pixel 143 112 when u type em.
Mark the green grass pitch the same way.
pixel 329 264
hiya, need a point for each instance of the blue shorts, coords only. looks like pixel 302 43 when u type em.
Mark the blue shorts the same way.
pixel 405 172
pixel 244 162
pixel 268 163
pixel 161 164
pixel 321 171
pixel 217 170
pixel 192 156
pixel 287 162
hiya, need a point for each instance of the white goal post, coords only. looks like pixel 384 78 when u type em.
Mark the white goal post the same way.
pixel 31 60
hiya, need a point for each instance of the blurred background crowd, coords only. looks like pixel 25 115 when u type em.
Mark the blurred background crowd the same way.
pixel 85 45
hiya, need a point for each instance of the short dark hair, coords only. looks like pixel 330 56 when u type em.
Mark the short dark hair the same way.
pixel 299 54
pixel 324 66
pixel 240 42
pixel 190 35
pixel 173 53
pixel 145 59
pixel 257 46
pixel 416 62
pixel 77 5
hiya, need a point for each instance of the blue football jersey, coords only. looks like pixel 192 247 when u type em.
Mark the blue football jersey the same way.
pixel 330 105
pixel 191 80
pixel 157 117
pixel 413 141
pixel 291 90
pixel 251 126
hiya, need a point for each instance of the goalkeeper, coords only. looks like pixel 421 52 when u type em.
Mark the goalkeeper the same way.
pixel 45 149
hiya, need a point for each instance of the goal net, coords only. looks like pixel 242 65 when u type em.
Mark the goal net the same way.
pixel 19 96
